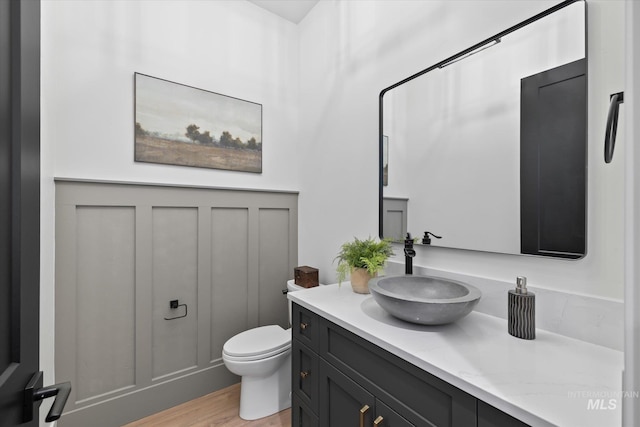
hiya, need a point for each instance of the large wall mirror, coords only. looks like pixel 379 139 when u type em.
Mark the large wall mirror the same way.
pixel 487 149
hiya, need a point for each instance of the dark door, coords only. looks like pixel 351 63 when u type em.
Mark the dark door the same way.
pixel 20 214
pixel 553 159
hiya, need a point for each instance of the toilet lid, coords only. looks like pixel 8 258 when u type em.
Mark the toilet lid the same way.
pixel 265 340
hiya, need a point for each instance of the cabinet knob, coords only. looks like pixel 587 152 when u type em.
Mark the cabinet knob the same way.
pixel 304 326
pixel 378 421
pixel 304 374
pixel 363 411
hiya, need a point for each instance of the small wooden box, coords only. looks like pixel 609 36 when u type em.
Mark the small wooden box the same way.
pixel 305 276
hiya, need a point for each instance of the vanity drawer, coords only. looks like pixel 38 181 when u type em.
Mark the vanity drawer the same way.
pixel 304 326
pixel 301 415
pixel 433 400
pixel 304 374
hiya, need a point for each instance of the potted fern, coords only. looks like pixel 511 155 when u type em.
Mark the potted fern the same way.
pixel 362 260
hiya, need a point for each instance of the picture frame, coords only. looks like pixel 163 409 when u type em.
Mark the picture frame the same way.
pixel 176 124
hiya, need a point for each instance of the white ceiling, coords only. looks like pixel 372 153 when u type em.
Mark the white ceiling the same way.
pixel 291 10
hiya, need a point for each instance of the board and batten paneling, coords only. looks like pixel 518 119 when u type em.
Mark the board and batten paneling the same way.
pixel 229 300
pixel 175 277
pixel 394 218
pixel 123 252
pixel 272 223
pixel 104 233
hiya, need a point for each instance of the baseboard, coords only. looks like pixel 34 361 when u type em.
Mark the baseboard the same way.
pixel 141 403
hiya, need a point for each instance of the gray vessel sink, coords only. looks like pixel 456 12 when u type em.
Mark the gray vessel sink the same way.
pixel 426 300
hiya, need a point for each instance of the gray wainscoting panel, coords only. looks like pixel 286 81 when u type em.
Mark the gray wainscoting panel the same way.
pixel 123 252
pixel 394 218
pixel 230 276
pixel 175 277
pixel 274 257
pixel 105 290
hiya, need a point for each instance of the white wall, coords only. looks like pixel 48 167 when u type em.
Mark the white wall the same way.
pixel 351 50
pixel 90 51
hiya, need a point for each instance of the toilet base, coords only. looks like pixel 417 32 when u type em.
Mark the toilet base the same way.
pixel 264 396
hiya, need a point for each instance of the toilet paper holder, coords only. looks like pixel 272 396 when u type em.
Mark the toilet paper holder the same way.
pixel 173 305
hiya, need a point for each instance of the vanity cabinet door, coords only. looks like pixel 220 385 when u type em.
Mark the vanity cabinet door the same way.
pixel 429 400
pixel 301 414
pixel 387 417
pixel 342 402
pixel 304 376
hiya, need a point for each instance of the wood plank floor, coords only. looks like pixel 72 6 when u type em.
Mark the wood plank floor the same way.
pixel 216 409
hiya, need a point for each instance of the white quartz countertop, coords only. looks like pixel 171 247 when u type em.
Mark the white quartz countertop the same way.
pixel 552 380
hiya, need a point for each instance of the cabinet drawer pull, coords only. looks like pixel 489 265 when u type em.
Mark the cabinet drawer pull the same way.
pixel 304 374
pixel 378 421
pixel 304 326
pixel 363 411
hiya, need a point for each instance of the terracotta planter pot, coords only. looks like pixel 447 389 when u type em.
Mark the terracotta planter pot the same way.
pixel 360 280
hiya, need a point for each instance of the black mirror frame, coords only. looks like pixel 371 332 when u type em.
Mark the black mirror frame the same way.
pixel 469 51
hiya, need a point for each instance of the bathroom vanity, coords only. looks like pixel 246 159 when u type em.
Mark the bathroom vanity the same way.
pixel 355 365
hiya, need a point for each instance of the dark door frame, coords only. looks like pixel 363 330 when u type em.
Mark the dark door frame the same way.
pixel 20 203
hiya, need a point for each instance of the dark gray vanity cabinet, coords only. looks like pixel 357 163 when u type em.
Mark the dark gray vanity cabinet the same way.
pixel 301 414
pixel 342 380
pixel 488 416
pixel 305 381
pixel 304 347
pixel 343 402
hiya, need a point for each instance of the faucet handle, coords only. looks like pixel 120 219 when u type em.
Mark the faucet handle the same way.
pixel 409 252
pixel 426 240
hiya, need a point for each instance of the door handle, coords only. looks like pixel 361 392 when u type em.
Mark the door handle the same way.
pixel 34 393
pixel 612 125
pixel 363 411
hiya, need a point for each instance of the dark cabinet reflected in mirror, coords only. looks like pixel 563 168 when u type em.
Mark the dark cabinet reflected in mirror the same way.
pixel 488 147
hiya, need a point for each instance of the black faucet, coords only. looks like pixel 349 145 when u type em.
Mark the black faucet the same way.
pixel 409 253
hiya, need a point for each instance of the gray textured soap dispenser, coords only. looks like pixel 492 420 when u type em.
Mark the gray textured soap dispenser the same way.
pixel 522 311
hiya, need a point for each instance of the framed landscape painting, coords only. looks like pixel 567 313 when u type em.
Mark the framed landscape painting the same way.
pixel 182 125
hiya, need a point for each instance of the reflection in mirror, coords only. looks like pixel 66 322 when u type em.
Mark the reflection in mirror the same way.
pixel 489 151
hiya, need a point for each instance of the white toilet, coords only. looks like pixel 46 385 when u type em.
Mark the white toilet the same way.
pixel 262 357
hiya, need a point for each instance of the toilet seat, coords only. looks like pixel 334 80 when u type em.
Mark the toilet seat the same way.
pixel 258 343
